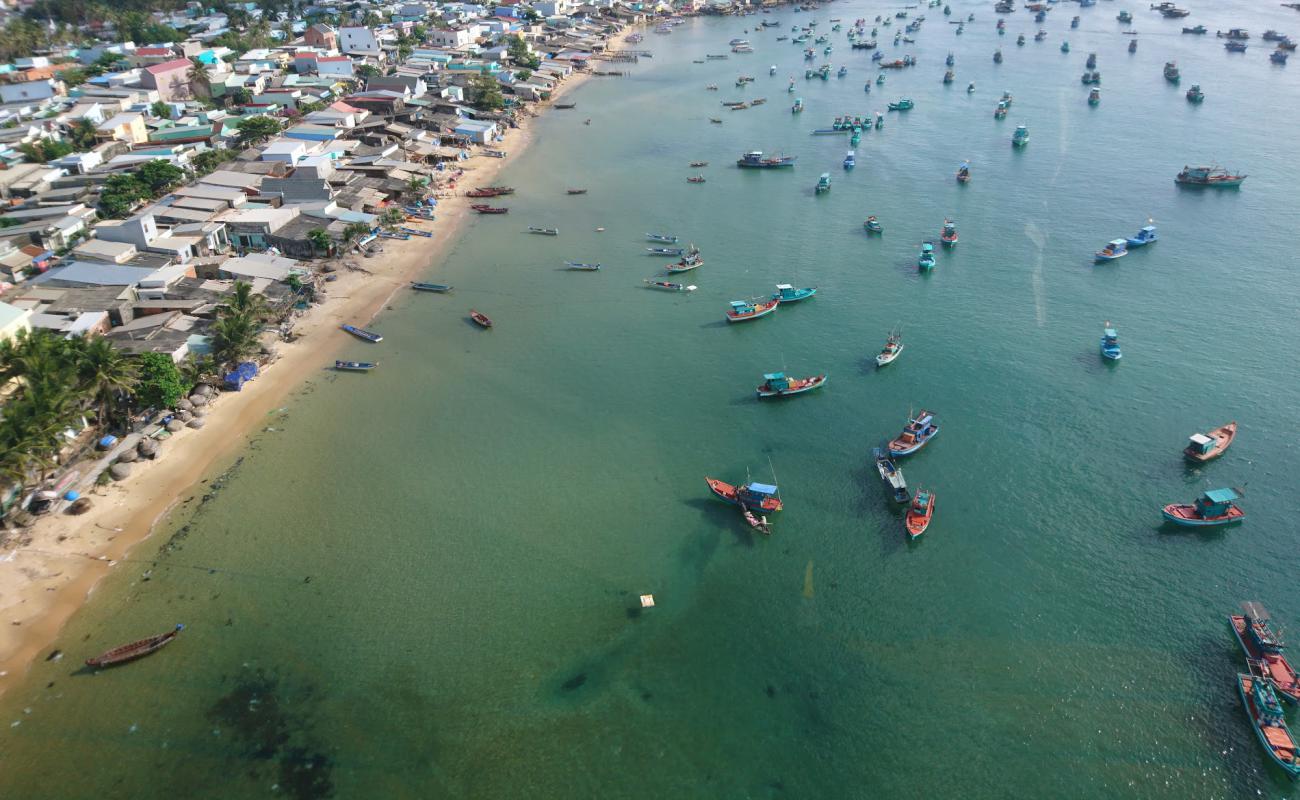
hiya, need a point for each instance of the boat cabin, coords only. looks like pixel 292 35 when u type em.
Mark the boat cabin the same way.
pixel 1215 502
pixel 1201 444
pixel 776 382
pixel 755 493
pixel 741 307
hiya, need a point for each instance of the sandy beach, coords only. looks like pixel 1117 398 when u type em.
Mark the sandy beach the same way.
pixel 51 568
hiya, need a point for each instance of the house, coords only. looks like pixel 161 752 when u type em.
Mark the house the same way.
pixel 126 127
pixel 143 232
pixel 322 36
pixel 170 79
pixel 288 150
pixel 453 38
pixel 410 86
pixel 337 66
pixel 250 227
pixel 256 265
pixel 478 131
pixel 29 91
pixel 13 320
pixel 358 40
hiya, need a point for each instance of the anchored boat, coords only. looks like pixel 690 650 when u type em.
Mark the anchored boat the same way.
pixel 742 311
pixel 785 293
pixel 1208 176
pixel 354 366
pixel 948 236
pixel 892 350
pixel 544 231
pixel 1110 343
pixel 776 384
pixel 755 160
pixel 891 475
pixel 668 285
pixel 1264 649
pixel 823 184
pixel 1213 507
pixel 1116 248
pixel 577 265
pixel 1021 137
pixel 361 333
pixel 873 225
pixel 480 318
pixel 440 288
pixel 1204 447
pixel 920 513
pixel 1265 714
pixel 963 173
pixel 760 496
pixel 1144 237
pixel 926 260
pixel 916 434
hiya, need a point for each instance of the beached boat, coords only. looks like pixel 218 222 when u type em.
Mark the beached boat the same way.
pixel 1116 248
pixel 1110 343
pixel 776 384
pixel 918 432
pixel 823 183
pixel 486 209
pixel 963 173
pixel 361 333
pixel 754 160
pixel 134 650
pixel 495 191
pixel 1213 507
pixel 919 513
pixel 480 318
pixel 582 267
pixel 1266 717
pixel 891 475
pixel 668 286
pixel 744 311
pixel 440 288
pixel 762 497
pixel 948 236
pixel 1264 649
pixel 355 366
pixel 1144 237
pixel 544 231
pixel 785 293
pixel 1208 176
pixel 892 350
pixel 873 225
pixel 926 260
pixel 1202 447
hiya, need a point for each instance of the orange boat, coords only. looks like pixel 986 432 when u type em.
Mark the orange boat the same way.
pixel 1208 446
pixel 761 496
pixel 920 513
pixel 134 650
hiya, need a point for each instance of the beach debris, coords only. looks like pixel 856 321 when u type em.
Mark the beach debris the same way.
pixel 54 655
pixel 119 471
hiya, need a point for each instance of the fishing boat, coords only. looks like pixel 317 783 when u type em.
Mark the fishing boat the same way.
pixel 1116 248
pixel 440 288
pixel 1001 111
pixel 1074 22
pixel 486 209
pixel 1144 237
pixel 919 513
pixel 903 104
pixel 544 231
pixel 873 225
pixel 660 237
pixel 1235 47
pixel 668 286
pixel 948 236
pixel 1110 343
pixel 1065 47
pixel 1203 447
pixel 963 173
pixel 850 160
pixel 948 76
pixel 1265 714
pixel 495 191
pixel 1124 16
pixel 688 263
pixel 1091 63
pixel 134 650
pixel 575 191
pixel 1264 649
pixel 665 251
pixel 918 432
pixel 1233 33
pixel 1094 96
pixel 1213 507
pixel 361 333
pixel 785 293
pixel 1093 78
pixel 997 56
pixel 754 160
pixel 1040 36
pixel 355 366
pixel 1278 56
pixel 842 70
pixel 1171 72
pixel 1199 29
pixel 763 497
pixel 891 475
pixel 695 179
pixel 577 265
pixel 744 311
pixel 798 106
pixel 776 384
pixel 970 87
pixel 823 183
pixel 771 70
pixel 892 350
pixel 1021 137
pixel 1020 40
pixel 1208 176
pixel 880 79
pixel 480 318
pixel 926 260
pixel 698 164
pixel 1132 45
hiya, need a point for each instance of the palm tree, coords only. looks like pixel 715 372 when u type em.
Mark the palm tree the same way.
pixel 107 375
pixel 82 134
pixel 236 337
pixel 243 302
pixel 197 77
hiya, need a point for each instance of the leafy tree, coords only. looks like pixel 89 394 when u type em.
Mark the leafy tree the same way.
pixel 239 96
pixel 254 130
pixel 369 71
pixel 404 52
pixel 320 239
pixel 161 383
pixel 209 160
pixel 73 76
pixel 159 176
pixel 119 195
pixel 245 302
pixel 160 110
pixel 392 217
pixel 82 134
pixel 415 187
pixel 43 150
pixel 239 322
pixel 195 368
pixel 21 37
pixel 372 20
pixel 355 230
pixel 485 93
pixel 197 77
pixel 107 376
pixel 107 62
pixel 308 106
pixel 519 53
pixel 524 74
pixel 419 32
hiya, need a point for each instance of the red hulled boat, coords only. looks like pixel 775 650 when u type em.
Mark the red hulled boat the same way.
pixel 486 209
pixel 134 650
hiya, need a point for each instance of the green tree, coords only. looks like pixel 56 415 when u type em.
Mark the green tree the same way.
pixel 197 77
pixel 195 368
pixel 107 376
pixel 239 96
pixel 485 92
pixel 354 231
pixel 415 187
pixel 43 150
pixel 419 32
pixel 320 239
pixel 160 383
pixel 524 74
pixel 82 134
pixel 159 176
pixel 519 53
pixel 308 106
pixel 392 217
pixel 107 62
pixel 369 71
pixel 73 76
pixel 209 160
pixel 119 195
pixel 21 37
pixel 160 110
pixel 255 130
pixel 234 338
pixel 245 302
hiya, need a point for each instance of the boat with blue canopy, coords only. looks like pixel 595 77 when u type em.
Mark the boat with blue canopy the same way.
pixel 743 311
pixel 926 260
pixel 776 384
pixel 1116 248
pixel 1110 343
pixel 785 293
pixel 1021 137
pixel 763 497
pixel 1213 507
pixel 918 432
pixel 1144 237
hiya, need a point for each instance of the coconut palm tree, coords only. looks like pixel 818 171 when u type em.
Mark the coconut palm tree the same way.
pixel 107 375
pixel 244 302
pixel 197 77
pixel 236 337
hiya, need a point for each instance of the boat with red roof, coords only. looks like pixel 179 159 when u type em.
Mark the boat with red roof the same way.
pixel 919 513
pixel 1264 647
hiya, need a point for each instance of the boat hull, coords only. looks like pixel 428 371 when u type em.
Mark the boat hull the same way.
pixel 730 494
pixel 1280 672
pixel 1244 685
pixel 897 448
pixel 757 313
pixel 1184 515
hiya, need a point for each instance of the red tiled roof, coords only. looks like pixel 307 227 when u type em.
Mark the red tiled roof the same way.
pixel 169 66
pixel 344 107
pixel 333 58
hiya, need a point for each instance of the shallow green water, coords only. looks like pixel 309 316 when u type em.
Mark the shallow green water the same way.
pixel 419 582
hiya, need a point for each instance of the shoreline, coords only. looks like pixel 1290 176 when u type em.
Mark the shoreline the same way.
pixel 52 568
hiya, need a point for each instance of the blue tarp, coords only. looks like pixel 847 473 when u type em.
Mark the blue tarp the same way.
pixel 236 378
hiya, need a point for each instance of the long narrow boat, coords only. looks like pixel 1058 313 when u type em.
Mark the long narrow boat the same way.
pixel 668 286
pixel 134 650
pixel 661 237
pixel 785 293
pixel 544 231
pixel 355 366
pixel 1263 645
pixel 891 475
pixel 1213 507
pixel 776 384
pixel 916 434
pixel 480 318
pixel 1204 447
pixel 919 513
pixel 575 191
pixel 742 311
pixel 582 267
pixel 361 333
pixel 1266 717
pixel 440 288
pixel 761 496
pixel 665 251
pixel 486 209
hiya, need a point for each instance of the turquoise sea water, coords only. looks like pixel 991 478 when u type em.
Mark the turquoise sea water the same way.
pixel 421 582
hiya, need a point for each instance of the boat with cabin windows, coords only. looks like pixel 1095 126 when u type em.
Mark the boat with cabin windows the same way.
pixel 891 476
pixel 1263 646
pixel 1094 96
pixel 1233 33
pixel 948 236
pixel 744 311
pixel 1144 237
pixel 776 384
pixel 850 160
pixel 1203 447
pixel 1266 717
pixel 764 497
pixel 798 106
pixel 480 319
pixel 1171 72
pixel 918 432
pixel 1110 343
pixel 691 260
pixel 440 288
pixel 1278 56
pixel 902 104
pixel 873 225
pixel 892 350
pixel 754 159
pixel 1208 176
pixel 363 334
pixel 1194 94
pixel 1001 111
pixel 963 172
pixel 926 260
pixel 823 183
pixel 1021 137
pixel 1074 22
pixel 786 293
pixel 919 513
pixel 1235 47
pixel 1213 507
pixel 134 650
pixel 1116 248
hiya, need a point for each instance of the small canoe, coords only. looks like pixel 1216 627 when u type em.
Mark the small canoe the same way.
pixel 355 366
pixel 544 231
pixel 480 318
pixel 575 191
pixel 361 333
pixel 1209 446
pixel 440 288
pixel 134 650
pixel 919 513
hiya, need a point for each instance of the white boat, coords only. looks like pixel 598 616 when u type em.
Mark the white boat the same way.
pixel 893 349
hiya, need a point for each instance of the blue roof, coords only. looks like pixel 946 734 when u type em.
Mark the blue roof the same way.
pixel 762 488
pixel 774 376
pixel 1221 495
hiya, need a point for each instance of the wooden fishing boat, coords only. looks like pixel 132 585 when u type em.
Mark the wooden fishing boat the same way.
pixel 486 209
pixel 926 260
pixel 742 311
pixel 948 236
pixel 1265 650
pixel 785 293
pixel 661 237
pixel 1266 717
pixel 355 366
pixel 1213 507
pixel 668 286
pixel 440 288
pixel 691 260
pixel 919 513
pixel 892 350
pixel 566 106
pixel 963 173
pixel 582 267
pixel 695 179
pixel 480 318
pixel 544 231
pixel 699 164
pixel 776 384
pixel 891 475
pixel 1110 343
pixel 495 191
pixel 873 225
pixel 761 496
pixel 361 333
pixel 480 193
pixel 1208 176
pixel 134 650
pixel 918 432
pixel 1116 248
pixel 575 191
pixel 1204 447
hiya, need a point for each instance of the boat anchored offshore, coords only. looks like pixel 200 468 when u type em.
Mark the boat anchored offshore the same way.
pixel 1265 713
pixel 1194 94
pixel 873 225
pixel 1021 137
pixel 963 173
pixel 850 160
pixel 742 311
pixel 1202 447
pixel 1264 649
pixel 1110 343
pixel 354 366
pixel 480 319
pixel 661 237
pixel 440 288
pixel 1144 237
pixel 544 231
pixel 668 286
pixel 785 293
pixel 1208 176
pixel 948 236
pixel 1094 96
pixel 916 434
pixel 1171 72
pixel 891 475
pixel 776 384
pixel 1213 507
pixel 926 260
pixel 1116 248
pixel 754 160
pixel 762 497
pixel 134 650
pixel 577 265
pixel 920 513
pixel 892 350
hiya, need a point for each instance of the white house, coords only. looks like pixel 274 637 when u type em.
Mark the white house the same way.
pixel 453 38
pixel 358 40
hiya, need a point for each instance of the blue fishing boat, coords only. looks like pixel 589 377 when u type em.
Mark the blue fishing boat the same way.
pixel 1195 95
pixel 1266 717
pixel 785 293
pixel 1213 507
pixel 744 311
pixel 776 384
pixel 354 366
pixel 850 160
pixel 362 334
pixel 1110 343
pixel 873 225
pixel 798 106
pixel 949 61
pixel 948 77
pixel 1021 137
pixel 665 251
pixel 997 56
pixel 1065 47
pixel 1144 237
pixel 1094 96
pixel 440 288
pixel 754 160
pixel 823 183
pixel 891 475
pixel 1116 248
pixel 926 260
pixel 842 71
pixel 902 104
pixel 660 237
pixel 917 434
